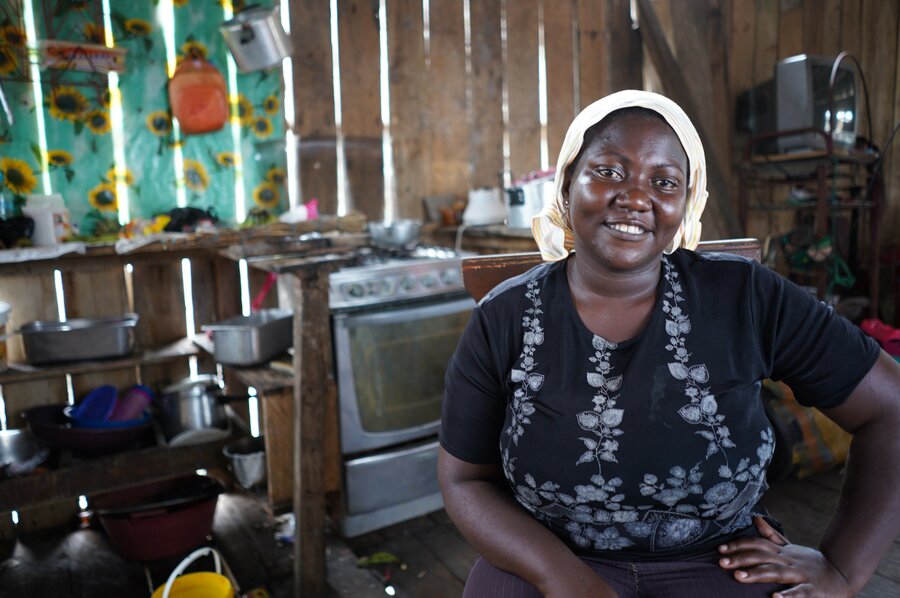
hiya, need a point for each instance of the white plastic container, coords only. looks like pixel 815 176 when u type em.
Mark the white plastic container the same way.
pixel 51 219
pixel 485 206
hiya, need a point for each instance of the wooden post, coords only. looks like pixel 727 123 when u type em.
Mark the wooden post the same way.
pixel 625 57
pixel 721 212
pixel 312 361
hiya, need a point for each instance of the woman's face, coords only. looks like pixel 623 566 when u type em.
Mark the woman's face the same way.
pixel 627 192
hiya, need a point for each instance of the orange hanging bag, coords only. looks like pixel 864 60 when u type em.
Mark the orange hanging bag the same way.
pixel 198 97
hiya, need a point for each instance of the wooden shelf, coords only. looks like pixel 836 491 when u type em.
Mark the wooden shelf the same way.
pixel 20 372
pixel 103 474
pixel 802 167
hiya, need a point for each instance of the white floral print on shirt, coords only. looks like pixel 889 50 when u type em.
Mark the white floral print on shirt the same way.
pixel 595 513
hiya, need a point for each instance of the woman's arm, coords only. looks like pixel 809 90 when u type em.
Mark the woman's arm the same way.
pixel 477 499
pixel 865 523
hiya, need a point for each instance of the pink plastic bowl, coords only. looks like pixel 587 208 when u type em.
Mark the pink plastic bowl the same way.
pixel 132 403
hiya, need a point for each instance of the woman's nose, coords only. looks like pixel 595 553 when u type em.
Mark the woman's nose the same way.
pixel 633 199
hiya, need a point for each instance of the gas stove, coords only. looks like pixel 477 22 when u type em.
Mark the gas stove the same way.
pixel 388 276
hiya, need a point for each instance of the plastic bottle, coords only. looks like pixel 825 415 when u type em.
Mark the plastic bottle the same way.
pixel 51 219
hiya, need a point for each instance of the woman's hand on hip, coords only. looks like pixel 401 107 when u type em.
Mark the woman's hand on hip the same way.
pixel 772 559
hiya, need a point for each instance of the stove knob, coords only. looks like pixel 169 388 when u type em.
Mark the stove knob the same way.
pixel 449 277
pixel 354 290
pixel 379 287
pixel 429 280
pixel 407 284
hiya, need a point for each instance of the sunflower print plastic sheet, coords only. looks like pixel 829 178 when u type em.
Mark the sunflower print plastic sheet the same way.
pixel 77 153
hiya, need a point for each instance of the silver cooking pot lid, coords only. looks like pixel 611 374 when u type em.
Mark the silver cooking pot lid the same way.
pixel 204 381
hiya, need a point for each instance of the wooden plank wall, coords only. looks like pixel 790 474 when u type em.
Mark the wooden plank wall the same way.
pixel 447 123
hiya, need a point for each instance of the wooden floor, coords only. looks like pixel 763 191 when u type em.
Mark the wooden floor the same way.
pixel 433 557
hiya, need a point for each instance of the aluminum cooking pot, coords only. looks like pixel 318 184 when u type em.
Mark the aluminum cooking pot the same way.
pixel 194 407
pixel 256 39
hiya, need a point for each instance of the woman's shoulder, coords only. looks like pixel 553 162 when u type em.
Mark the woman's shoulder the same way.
pixel 515 288
pixel 715 264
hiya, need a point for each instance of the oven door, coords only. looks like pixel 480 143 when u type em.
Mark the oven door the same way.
pixel 390 367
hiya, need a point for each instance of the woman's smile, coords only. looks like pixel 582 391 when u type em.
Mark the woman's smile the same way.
pixel 629 231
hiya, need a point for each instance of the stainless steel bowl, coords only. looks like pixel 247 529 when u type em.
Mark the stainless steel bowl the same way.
pixel 20 452
pixel 395 234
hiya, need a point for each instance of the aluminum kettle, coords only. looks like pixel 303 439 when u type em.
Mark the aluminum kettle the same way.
pixel 256 39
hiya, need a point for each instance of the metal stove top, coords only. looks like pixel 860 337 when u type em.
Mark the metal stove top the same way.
pixel 388 276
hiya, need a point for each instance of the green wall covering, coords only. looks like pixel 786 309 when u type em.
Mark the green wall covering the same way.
pixel 76 111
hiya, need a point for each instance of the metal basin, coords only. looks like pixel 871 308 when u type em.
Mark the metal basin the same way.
pixel 253 339
pixel 49 341
pixel 20 453
pixel 396 234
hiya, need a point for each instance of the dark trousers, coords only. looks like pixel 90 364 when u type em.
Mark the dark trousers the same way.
pixel 699 577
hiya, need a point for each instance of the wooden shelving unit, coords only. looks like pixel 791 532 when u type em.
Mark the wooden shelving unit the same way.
pixel 843 204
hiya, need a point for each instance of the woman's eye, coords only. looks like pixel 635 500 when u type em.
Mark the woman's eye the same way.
pixel 666 183
pixel 607 172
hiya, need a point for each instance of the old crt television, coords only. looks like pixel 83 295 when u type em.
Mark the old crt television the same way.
pixel 801 101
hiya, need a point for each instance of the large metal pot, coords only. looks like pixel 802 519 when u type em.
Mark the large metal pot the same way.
pixel 256 39
pixel 193 411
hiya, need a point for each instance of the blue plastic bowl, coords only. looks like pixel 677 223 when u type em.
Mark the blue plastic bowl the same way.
pixel 97 405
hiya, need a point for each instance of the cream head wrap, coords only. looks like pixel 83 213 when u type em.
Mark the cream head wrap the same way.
pixel 553 235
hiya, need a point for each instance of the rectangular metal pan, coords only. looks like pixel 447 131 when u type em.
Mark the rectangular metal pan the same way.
pixel 253 339
pixel 79 339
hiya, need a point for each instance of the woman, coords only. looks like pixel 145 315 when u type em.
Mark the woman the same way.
pixel 602 431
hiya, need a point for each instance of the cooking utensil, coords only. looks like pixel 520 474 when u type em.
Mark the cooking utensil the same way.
pixel 256 39
pixel 527 199
pixel 47 341
pixel 20 453
pixel 160 519
pixel 248 340
pixel 263 291
pixel 395 234
pixel 193 411
pixel 247 458
pixel 50 425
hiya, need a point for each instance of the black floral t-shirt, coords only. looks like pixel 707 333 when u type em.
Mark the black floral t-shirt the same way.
pixel 656 446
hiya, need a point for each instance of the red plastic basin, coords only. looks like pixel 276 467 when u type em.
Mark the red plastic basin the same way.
pixel 159 520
